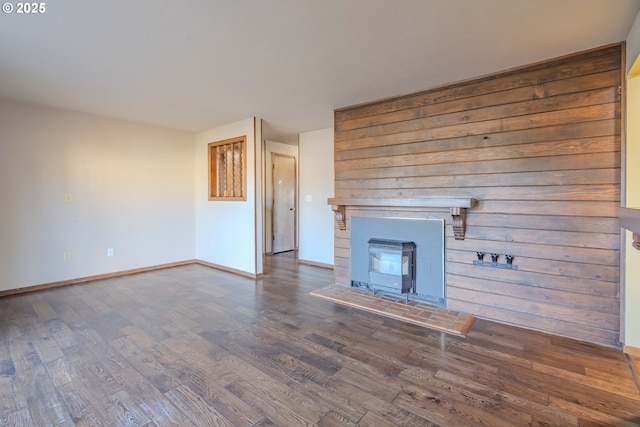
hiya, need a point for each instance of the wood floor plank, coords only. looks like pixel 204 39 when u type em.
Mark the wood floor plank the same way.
pixel 191 346
pixel 124 411
pixel 522 405
pixel 125 347
pixel 275 395
pixel 16 419
pixel 274 409
pixel 589 416
pixel 198 411
pixel 149 399
pixel 144 341
pixel 397 417
pixel 8 404
pixel 44 310
pixel 101 351
pixel 586 397
pixel 61 332
pixel 336 419
pixel 83 407
pixel 47 349
pixel 61 371
pixel 339 395
pixel 154 371
pixel 35 389
pixel 93 373
pixel 210 385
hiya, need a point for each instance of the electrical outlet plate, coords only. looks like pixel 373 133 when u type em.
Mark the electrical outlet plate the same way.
pixel 109 251
pixel 67 256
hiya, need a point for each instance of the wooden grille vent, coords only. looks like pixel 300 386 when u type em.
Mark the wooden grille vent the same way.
pixel 227 171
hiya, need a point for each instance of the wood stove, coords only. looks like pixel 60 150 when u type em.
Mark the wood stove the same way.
pixel 392 266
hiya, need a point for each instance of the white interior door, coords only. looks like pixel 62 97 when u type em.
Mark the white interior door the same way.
pixel 284 203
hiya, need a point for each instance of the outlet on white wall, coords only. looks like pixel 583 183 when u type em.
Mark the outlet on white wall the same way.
pixel 109 251
pixel 67 256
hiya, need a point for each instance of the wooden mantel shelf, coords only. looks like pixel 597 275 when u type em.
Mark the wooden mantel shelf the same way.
pixel 458 208
pixel 406 203
pixel 630 219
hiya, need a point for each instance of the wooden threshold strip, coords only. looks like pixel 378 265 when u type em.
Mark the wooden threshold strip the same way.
pixel 414 312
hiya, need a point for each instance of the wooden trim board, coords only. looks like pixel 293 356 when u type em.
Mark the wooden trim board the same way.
pixel 57 284
pixel 316 264
pixel 229 269
pixel 86 279
pixel 632 351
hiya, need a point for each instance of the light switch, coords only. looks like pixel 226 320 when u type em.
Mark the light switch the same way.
pixel 308 198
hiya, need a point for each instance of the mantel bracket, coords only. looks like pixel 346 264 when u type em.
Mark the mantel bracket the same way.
pixel 341 217
pixel 459 222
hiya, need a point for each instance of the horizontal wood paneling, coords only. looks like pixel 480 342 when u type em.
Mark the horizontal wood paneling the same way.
pixel 539 148
pixel 534 250
pixel 563 192
pixel 586 302
pixel 564 177
pixel 600 144
pixel 573 108
pixel 526 278
pixel 538 321
pixel 553 163
pixel 582 65
pixel 539 222
pixel 415 142
pixel 606 273
pixel 602 80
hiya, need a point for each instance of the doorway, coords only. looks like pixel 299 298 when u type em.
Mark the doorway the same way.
pixel 284 202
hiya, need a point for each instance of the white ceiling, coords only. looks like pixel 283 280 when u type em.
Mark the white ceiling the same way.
pixel 197 64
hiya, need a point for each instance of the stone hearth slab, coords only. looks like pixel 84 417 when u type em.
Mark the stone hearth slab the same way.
pixel 414 312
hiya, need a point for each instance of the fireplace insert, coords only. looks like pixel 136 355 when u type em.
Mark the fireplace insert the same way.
pixel 392 266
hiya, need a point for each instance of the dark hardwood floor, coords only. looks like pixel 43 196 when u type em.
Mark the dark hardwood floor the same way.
pixel 196 346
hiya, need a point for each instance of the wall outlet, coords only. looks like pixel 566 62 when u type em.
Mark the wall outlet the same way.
pixel 109 251
pixel 68 197
pixel 67 256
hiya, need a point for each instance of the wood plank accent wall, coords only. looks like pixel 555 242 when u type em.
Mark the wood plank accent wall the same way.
pixel 539 147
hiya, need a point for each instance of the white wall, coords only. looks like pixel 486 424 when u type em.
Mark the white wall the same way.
pixel 130 188
pixel 316 186
pixel 280 148
pixel 632 256
pixel 227 233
